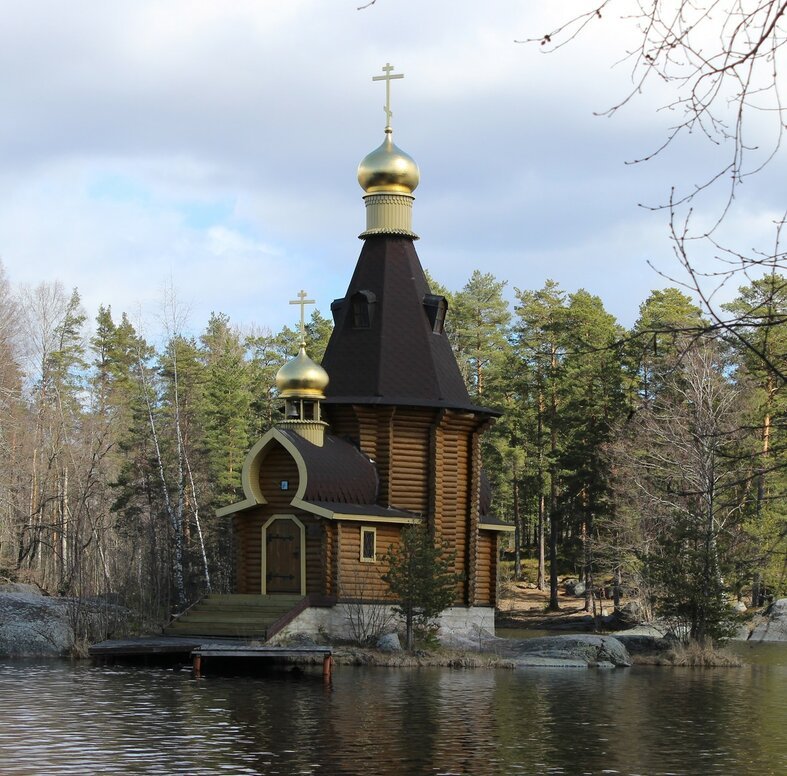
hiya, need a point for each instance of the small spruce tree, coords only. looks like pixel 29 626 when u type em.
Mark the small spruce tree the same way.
pixel 422 579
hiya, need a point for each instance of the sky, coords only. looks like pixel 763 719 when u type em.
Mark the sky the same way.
pixel 212 147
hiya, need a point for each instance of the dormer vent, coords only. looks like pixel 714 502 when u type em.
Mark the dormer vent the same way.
pixel 363 305
pixel 436 307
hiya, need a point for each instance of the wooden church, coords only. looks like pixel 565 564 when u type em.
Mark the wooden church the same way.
pixel 381 436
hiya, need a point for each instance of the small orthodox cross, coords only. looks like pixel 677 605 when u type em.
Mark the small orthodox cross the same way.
pixel 388 77
pixel 302 301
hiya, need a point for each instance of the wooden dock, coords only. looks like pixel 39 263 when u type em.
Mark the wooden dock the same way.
pixel 229 651
pixel 201 651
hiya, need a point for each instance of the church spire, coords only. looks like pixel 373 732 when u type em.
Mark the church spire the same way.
pixel 388 345
pixel 389 177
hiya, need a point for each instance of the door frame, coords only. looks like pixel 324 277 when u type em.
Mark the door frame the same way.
pixel 302 533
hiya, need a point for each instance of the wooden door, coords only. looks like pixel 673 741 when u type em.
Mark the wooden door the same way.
pixel 283 552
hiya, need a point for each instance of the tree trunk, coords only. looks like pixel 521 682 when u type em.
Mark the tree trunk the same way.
pixel 517 531
pixel 409 634
pixel 553 537
pixel 541 584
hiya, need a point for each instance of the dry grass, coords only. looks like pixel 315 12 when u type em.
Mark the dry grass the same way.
pixel 693 655
pixel 355 656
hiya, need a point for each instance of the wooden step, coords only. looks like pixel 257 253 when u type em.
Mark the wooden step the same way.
pixel 246 616
pixel 248 608
pixel 231 630
pixel 229 618
pixel 254 600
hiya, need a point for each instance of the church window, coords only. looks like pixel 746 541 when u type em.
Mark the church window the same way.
pixel 362 306
pixel 436 308
pixel 368 545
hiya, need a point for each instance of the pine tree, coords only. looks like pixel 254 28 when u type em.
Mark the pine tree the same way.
pixel 591 399
pixel 479 325
pixel 668 323
pixel 539 345
pixel 761 350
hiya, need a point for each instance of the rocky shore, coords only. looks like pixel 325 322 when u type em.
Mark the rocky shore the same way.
pixel 36 625
pixel 33 624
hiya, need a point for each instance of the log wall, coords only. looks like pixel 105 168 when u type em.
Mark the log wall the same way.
pixel 428 462
pixel 278 465
pixel 486 572
pixel 409 463
pixel 358 578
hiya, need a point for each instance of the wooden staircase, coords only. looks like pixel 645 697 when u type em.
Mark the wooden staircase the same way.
pixel 237 616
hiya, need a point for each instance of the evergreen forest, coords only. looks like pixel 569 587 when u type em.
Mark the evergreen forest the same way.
pixel 649 461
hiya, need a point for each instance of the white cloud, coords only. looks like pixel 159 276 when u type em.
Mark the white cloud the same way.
pixel 217 142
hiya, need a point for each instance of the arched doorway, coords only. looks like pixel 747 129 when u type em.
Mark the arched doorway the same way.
pixel 283 556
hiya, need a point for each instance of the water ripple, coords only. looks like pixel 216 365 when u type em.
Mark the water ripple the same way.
pixel 59 718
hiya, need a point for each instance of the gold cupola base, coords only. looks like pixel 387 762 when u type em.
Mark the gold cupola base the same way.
pixel 311 430
pixel 389 213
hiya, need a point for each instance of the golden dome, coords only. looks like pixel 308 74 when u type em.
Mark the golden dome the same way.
pixel 388 169
pixel 302 378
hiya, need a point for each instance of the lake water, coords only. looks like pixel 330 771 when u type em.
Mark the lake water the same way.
pixel 63 718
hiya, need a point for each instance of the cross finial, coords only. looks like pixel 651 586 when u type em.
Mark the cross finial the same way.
pixel 388 77
pixel 302 301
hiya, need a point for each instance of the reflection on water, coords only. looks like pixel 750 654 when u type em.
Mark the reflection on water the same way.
pixel 62 718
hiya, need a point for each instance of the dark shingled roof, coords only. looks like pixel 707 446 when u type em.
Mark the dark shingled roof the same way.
pixel 338 472
pixel 375 510
pixel 397 359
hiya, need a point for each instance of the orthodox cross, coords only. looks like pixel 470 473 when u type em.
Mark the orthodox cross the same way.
pixel 388 77
pixel 302 301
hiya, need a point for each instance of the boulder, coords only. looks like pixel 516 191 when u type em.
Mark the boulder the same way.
pixel 389 642
pixel 773 626
pixel 742 633
pixel 299 639
pixel 478 639
pixel 574 587
pixel 20 587
pixel 641 643
pixel 631 613
pixel 655 629
pixel 36 625
pixel 587 650
pixel 32 625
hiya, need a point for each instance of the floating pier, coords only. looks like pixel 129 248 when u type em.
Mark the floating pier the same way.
pixel 201 651
pixel 246 651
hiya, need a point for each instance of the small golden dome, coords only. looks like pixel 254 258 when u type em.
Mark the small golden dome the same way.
pixel 302 378
pixel 388 168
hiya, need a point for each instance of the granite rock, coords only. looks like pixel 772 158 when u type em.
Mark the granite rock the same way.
pixel 773 626
pixel 589 650
pixel 32 625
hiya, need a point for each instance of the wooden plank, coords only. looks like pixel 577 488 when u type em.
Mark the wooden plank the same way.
pixel 145 645
pixel 246 651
